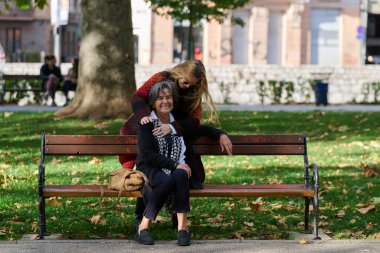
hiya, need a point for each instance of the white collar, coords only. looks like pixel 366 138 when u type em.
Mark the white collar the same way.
pixel 153 115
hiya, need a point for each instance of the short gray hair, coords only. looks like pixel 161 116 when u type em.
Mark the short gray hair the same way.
pixel 158 87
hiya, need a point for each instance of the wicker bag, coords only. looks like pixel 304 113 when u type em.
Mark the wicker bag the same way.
pixel 125 180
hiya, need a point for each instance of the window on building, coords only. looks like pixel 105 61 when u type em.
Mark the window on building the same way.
pixel 13 44
pixel 181 42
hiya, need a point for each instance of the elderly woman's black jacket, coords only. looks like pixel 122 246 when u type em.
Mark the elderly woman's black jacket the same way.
pixel 149 161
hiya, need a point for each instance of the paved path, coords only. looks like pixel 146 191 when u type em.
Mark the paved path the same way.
pixel 219 246
pixel 289 108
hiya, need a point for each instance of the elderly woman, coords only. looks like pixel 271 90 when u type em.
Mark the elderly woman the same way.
pixel 162 158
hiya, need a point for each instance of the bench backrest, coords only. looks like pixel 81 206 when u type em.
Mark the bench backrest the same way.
pixel 118 145
pixel 20 77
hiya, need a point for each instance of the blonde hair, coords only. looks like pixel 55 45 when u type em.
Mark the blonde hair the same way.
pixel 195 69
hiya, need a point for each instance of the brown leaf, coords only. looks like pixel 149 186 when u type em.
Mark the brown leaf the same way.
pixel 255 207
pixel 75 180
pixel 365 210
pixel 34 237
pixel 370 171
pixel 341 214
pixel 95 161
pixel 54 202
pixel 289 207
pixel 5 166
pixel 121 236
pixel 249 224
pixel 303 241
pixel 95 219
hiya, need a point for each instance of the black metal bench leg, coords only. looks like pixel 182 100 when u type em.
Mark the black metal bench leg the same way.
pixel 306 220
pixel 41 204
pixel 315 202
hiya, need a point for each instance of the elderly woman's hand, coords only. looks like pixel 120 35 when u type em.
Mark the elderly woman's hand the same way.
pixel 225 144
pixel 162 130
pixel 146 120
pixel 185 167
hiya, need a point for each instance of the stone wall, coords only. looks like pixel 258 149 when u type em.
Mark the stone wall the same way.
pixel 243 84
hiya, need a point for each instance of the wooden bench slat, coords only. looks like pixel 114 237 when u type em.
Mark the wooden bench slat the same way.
pixel 198 149
pixel 207 191
pixel 20 77
pixel 131 139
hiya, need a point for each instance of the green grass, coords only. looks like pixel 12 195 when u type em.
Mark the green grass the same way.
pixel 341 143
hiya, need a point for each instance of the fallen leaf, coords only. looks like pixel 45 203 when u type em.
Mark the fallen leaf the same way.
pixel 287 207
pixel 303 241
pixel 249 224
pixel 341 214
pixel 34 237
pixel 54 202
pixel 95 219
pixel 254 207
pixel 343 128
pixel 365 210
pixel 95 161
pixel 75 180
pixel 121 236
pixel 5 166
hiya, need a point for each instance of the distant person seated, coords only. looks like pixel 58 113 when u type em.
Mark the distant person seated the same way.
pixel 71 80
pixel 51 77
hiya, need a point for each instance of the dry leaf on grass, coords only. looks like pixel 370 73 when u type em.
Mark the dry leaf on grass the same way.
pixel 365 210
pixel 95 161
pixel 95 219
pixel 121 236
pixel 249 224
pixel 54 202
pixel 75 180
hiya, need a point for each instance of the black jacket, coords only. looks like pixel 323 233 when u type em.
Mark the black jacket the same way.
pixel 45 72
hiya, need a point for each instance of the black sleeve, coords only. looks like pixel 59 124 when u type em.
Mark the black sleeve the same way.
pixel 44 74
pixel 148 152
pixel 208 131
pixel 59 74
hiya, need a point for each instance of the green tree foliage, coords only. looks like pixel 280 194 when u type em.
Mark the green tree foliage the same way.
pixel 196 10
pixel 22 4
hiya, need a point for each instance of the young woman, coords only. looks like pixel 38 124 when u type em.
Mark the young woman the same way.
pixel 163 159
pixel 192 86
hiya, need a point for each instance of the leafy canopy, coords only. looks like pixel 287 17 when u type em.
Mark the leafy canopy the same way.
pixel 23 4
pixel 196 10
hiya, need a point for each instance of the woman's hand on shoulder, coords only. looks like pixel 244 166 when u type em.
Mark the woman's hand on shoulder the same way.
pixel 146 120
pixel 225 143
pixel 162 130
pixel 185 167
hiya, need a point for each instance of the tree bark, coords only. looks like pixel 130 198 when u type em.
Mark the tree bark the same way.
pixel 106 67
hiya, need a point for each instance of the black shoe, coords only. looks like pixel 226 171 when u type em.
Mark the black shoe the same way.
pixel 183 238
pixel 144 237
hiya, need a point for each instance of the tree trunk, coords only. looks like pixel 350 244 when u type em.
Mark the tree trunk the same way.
pixel 106 67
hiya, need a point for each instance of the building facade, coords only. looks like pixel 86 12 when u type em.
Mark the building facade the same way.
pixel 282 32
pixel 279 32
pixel 27 35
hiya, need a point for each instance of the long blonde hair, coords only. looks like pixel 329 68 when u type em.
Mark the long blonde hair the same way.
pixel 195 69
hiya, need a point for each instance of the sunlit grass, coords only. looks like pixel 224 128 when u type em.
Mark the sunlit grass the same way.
pixel 341 143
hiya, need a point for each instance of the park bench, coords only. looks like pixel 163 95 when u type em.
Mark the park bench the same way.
pixel 90 145
pixel 14 84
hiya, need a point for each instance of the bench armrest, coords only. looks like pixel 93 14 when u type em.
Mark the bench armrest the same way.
pixel 315 179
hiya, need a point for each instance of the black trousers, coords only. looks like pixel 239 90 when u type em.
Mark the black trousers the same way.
pixel 163 185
